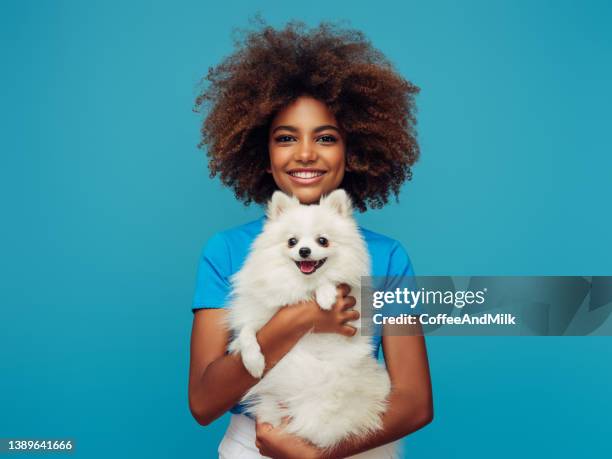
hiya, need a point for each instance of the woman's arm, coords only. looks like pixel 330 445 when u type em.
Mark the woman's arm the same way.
pixel 217 381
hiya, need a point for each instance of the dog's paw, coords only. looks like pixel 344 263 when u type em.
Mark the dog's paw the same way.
pixel 254 362
pixel 326 296
pixel 234 346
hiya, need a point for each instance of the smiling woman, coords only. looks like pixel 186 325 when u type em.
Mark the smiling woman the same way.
pixel 330 113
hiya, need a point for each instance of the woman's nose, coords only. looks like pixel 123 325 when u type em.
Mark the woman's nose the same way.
pixel 306 151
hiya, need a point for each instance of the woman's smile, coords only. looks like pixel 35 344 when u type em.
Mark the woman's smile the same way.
pixel 305 176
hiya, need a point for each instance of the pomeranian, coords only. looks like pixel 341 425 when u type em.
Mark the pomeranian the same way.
pixel 330 385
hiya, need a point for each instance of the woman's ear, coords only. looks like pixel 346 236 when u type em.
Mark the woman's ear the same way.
pixel 279 203
pixel 339 201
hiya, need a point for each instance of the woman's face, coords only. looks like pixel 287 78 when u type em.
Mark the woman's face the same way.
pixel 307 150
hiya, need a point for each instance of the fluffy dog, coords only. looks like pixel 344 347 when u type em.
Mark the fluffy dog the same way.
pixel 330 385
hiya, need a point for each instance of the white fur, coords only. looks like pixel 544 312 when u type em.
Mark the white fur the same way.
pixel 330 385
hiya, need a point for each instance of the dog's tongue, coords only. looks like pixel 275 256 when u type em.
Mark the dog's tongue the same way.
pixel 307 266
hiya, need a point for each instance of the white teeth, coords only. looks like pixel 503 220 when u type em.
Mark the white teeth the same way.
pixel 305 174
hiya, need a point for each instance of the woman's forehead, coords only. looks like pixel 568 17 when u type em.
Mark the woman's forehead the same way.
pixel 304 113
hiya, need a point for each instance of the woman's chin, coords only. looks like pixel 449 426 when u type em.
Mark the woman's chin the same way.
pixel 308 196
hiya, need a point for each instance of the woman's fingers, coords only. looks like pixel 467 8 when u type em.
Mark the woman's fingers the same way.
pixel 347 330
pixel 348 302
pixel 285 421
pixel 343 290
pixel 350 316
pixel 262 428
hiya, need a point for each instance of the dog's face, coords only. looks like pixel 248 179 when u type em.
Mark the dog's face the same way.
pixel 309 252
pixel 310 235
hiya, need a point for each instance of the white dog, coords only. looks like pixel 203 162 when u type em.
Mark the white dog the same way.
pixel 329 384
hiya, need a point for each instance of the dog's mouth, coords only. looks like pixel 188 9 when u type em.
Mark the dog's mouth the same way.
pixel 310 266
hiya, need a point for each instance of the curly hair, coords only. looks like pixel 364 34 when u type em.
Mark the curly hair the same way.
pixel 269 69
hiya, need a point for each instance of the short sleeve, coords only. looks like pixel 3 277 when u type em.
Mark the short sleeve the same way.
pixel 399 262
pixel 400 275
pixel 212 281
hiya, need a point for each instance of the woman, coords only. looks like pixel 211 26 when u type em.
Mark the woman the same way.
pixel 306 112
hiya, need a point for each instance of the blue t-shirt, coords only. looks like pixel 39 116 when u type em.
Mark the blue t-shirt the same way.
pixel 226 251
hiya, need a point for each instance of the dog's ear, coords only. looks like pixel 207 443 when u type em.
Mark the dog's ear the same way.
pixel 279 203
pixel 339 201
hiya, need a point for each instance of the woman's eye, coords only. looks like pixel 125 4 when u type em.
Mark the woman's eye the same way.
pixel 327 139
pixel 284 138
pixel 323 242
pixel 292 242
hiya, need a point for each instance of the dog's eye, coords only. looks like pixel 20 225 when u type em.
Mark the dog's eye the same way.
pixel 292 242
pixel 323 241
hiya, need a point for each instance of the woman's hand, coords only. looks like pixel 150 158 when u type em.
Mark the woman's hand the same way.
pixel 335 320
pixel 273 442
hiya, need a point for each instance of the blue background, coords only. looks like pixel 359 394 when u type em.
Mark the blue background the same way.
pixel 106 203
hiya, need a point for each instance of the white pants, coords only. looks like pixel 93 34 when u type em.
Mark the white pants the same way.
pixel 239 443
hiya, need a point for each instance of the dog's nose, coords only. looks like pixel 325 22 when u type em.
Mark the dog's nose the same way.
pixel 304 252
